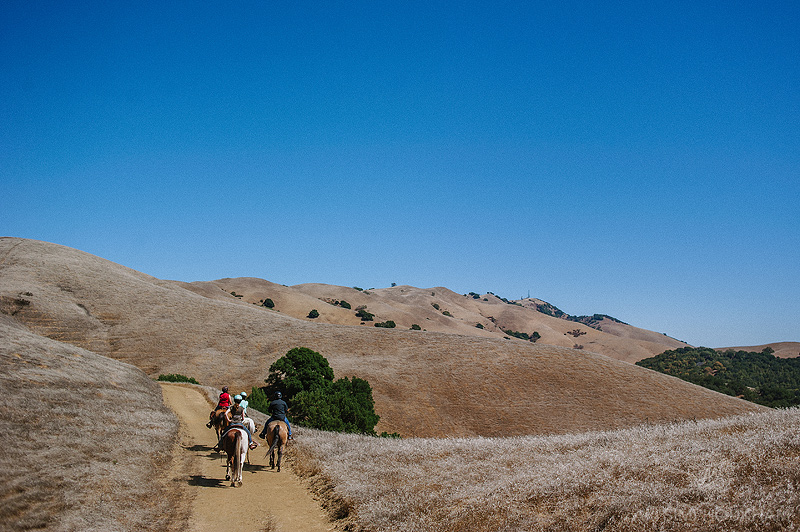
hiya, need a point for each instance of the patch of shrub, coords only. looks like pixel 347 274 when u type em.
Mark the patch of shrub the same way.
pixel 435 305
pixel 415 327
pixel 268 303
pixel 307 382
pixel 386 324
pixel 313 314
pixel 479 325
pixel 364 315
pixel 176 377
pixel 447 313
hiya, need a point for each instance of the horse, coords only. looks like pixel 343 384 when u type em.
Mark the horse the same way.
pixel 234 443
pixel 277 434
pixel 219 420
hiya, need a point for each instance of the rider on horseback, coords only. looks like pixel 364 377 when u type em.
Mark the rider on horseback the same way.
pixel 224 402
pixel 244 402
pixel 236 414
pixel 277 409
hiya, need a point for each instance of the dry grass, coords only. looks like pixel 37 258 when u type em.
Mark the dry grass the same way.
pixel 735 474
pixel 206 333
pixel 88 442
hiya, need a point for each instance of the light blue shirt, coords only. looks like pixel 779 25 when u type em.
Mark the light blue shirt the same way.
pixel 244 404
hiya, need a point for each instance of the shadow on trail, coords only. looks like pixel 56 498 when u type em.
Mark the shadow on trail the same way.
pixel 253 468
pixel 202 481
pixel 198 448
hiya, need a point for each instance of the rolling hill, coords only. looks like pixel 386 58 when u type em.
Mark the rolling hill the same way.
pixel 451 379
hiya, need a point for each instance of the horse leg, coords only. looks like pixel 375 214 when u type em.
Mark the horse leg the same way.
pixel 280 455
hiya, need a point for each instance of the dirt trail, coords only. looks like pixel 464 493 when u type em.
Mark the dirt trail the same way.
pixel 266 500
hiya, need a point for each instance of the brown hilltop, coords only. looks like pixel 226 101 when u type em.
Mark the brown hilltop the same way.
pixel 431 382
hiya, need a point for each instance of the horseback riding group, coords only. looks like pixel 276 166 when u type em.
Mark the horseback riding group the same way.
pixel 235 431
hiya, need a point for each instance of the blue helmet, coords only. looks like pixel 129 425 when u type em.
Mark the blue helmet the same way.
pixel 278 395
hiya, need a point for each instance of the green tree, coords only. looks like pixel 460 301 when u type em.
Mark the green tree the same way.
pixel 313 314
pixel 315 399
pixel 299 369
pixel 268 303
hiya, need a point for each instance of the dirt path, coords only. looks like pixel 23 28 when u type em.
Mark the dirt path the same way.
pixel 266 500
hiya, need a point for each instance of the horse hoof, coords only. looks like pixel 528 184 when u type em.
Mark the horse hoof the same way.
pixel 227 477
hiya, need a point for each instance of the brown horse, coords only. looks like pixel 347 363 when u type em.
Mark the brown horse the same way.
pixel 234 443
pixel 277 434
pixel 219 420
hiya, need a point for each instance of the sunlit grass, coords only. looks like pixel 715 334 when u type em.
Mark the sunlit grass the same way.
pixel 738 473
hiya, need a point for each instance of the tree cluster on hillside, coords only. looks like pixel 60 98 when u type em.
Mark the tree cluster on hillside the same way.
pixel 758 377
pixel 315 399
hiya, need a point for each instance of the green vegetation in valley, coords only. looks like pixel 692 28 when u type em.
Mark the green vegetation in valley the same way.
pixel 758 377
pixel 177 377
pixel 523 336
pixel 315 399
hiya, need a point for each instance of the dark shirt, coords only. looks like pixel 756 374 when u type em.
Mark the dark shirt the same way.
pixel 278 409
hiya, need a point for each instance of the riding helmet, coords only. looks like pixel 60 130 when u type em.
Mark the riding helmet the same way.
pixel 243 394
pixel 237 398
pixel 225 389
pixel 278 395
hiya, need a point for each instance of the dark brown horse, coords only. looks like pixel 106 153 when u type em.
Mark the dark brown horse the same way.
pixel 234 443
pixel 219 420
pixel 277 434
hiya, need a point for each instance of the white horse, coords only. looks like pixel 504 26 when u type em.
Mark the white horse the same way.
pixel 235 445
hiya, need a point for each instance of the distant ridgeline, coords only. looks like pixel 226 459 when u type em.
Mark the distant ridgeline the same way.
pixel 590 321
pixel 758 377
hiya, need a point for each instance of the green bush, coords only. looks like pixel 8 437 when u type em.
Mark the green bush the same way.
pixel 364 315
pixel 316 400
pixel 386 324
pixel 258 400
pixel 177 377
pixel 313 314
pixel 268 303
pixel 415 327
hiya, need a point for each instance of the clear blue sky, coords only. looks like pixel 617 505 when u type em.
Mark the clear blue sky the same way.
pixel 638 160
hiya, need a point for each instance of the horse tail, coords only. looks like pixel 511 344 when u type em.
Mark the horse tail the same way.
pixel 276 436
pixel 237 441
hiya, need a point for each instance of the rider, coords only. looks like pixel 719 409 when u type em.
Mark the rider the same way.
pixel 224 399
pixel 236 416
pixel 277 410
pixel 244 403
pixel 224 402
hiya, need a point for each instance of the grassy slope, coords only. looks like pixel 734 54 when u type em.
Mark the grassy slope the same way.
pixel 87 441
pixel 736 474
pixel 425 383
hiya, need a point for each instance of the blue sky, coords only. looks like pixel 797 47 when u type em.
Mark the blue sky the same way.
pixel 638 161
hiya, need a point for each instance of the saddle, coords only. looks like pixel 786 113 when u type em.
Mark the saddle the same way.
pixel 233 426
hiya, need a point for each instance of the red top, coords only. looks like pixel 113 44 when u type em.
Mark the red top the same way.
pixel 224 400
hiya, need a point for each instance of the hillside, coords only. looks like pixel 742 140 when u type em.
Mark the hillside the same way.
pixel 441 310
pixel 87 441
pixel 424 382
